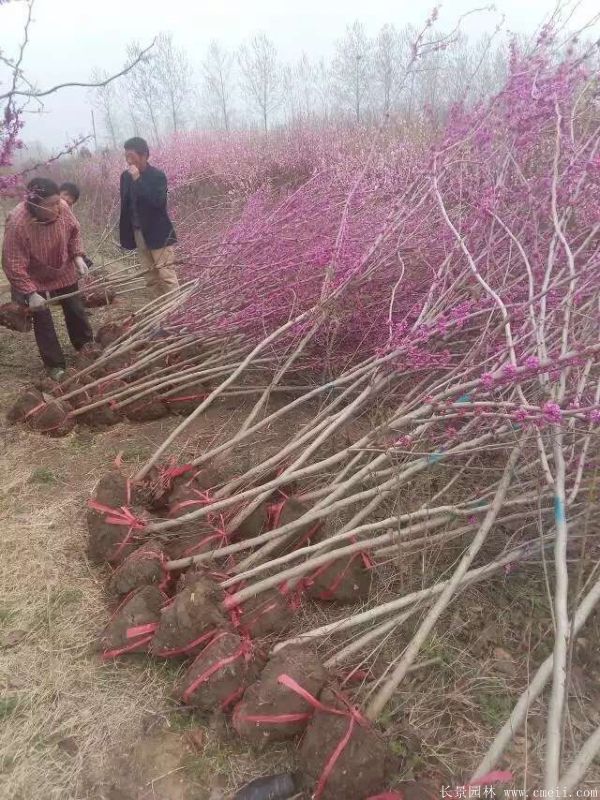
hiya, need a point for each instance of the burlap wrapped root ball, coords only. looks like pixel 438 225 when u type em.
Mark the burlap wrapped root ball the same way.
pixel 189 622
pixel 144 567
pixel 115 526
pixel 270 711
pixel 52 418
pixel 26 402
pixel 220 673
pixel 342 755
pixel 132 625
pixel 343 581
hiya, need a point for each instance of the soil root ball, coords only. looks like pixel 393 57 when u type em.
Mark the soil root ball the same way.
pixel 285 511
pixel 190 620
pixel 144 567
pixel 132 626
pixel 16 317
pixel 347 580
pixel 52 418
pixel 219 675
pixel 87 355
pixel 24 405
pixel 193 539
pixel 146 409
pixel 185 401
pixel 162 482
pixel 270 711
pixel 108 414
pixel 97 298
pixel 253 525
pixel 265 614
pixel 342 755
pixel 115 527
pixel 110 332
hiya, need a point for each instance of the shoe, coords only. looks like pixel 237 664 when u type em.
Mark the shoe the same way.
pixel 56 373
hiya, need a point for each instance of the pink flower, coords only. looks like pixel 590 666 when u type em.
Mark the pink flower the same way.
pixel 487 380
pixel 552 412
pixel 532 362
pixel 520 415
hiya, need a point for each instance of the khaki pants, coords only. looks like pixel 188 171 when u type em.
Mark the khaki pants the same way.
pixel 161 277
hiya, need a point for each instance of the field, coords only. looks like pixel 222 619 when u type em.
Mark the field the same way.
pixel 330 508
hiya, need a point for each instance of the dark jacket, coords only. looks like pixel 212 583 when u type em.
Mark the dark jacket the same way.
pixel 151 193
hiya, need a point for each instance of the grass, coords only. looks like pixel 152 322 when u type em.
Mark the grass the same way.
pixel 43 476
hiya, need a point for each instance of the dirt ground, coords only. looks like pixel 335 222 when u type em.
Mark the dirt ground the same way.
pixel 74 728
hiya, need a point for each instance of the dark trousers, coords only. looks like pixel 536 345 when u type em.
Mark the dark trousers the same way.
pixel 76 320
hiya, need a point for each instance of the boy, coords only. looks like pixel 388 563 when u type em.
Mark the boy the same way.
pixel 144 222
pixel 69 192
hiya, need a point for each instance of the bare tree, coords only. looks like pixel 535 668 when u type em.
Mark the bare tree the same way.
pixel 389 64
pixel 174 79
pixel 261 76
pixel 144 92
pixel 352 69
pixel 105 99
pixel 217 72
pixel 307 78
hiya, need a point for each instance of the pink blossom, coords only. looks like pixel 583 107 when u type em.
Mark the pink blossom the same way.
pixel 552 412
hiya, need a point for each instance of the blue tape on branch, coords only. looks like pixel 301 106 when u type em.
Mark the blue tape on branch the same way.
pixel 478 504
pixel 465 398
pixel 433 458
pixel 559 510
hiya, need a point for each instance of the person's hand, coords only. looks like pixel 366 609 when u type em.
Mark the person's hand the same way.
pixel 82 267
pixel 36 302
pixel 133 171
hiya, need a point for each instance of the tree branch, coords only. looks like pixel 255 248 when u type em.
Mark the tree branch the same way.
pixel 99 85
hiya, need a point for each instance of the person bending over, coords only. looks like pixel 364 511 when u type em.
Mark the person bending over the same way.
pixel 144 223
pixel 42 256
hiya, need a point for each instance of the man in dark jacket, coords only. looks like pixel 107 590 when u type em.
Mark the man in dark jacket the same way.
pixel 144 224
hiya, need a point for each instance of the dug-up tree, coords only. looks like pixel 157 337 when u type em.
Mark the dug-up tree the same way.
pixel 261 76
pixel 217 73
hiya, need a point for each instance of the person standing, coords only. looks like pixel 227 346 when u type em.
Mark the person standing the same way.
pixel 144 223
pixel 42 256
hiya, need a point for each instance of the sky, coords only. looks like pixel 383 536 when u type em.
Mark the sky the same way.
pixel 69 38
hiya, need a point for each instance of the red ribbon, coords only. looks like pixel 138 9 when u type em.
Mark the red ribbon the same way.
pixel 141 630
pixel 180 651
pixel 275 718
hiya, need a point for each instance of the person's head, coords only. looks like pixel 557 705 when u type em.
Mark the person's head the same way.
pixel 43 199
pixel 137 152
pixel 69 192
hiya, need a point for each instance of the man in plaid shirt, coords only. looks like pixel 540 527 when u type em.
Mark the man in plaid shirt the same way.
pixel 42 256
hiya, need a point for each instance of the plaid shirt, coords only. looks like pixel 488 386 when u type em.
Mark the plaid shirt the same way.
pixel 38 256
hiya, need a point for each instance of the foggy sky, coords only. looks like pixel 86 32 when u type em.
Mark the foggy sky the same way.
pixel 71 37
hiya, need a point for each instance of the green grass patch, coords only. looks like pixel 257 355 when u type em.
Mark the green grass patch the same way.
pixel 43 476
